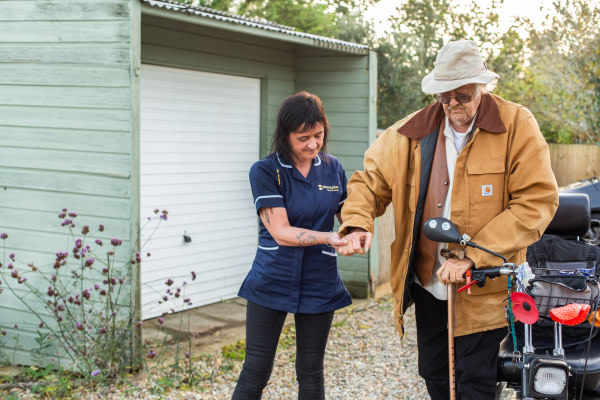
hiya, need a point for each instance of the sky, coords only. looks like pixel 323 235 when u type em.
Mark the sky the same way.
pixel 528 8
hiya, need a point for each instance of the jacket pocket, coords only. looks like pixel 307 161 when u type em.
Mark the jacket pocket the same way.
pixel 486 191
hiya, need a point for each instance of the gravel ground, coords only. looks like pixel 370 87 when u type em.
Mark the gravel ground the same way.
pixel 365 360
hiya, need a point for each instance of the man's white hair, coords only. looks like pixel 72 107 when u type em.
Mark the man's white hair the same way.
pixel 487 87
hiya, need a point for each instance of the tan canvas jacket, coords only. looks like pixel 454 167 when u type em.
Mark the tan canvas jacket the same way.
pixel 507 157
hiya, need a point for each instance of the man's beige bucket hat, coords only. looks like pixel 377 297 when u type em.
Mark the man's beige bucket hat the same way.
pixel 457 64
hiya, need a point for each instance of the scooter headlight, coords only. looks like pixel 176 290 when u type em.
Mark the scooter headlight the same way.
pixel 547 376
pixel 550 380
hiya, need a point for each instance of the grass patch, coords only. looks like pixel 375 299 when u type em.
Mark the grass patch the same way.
pixel 235 351
pixel 46 382
pixel 339 324
pixel 287 339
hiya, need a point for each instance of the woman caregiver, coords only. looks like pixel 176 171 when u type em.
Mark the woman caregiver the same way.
pixel 298 190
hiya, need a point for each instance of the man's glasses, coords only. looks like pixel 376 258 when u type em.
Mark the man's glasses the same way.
pixel 460 98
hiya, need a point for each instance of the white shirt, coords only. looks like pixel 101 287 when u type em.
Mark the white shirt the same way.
pixel 455 142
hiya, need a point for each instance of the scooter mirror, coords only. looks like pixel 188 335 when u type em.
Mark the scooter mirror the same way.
pixel 441 230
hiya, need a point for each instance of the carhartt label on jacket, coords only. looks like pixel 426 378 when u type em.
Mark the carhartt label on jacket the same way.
pixel 486 190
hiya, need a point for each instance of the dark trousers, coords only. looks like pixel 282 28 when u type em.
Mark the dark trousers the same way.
pixel 263 328
pixel 475 355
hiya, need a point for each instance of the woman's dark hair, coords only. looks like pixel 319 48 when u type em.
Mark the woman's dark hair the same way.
pixel 298 113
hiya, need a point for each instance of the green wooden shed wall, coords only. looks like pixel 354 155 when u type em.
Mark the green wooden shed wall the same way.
pixel 66 133
pixel 70 104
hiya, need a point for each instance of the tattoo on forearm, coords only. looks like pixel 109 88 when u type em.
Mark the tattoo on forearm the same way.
pixel 266 215
pixel 310 240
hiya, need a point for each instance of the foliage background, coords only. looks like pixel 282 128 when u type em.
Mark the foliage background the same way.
pixel 553 70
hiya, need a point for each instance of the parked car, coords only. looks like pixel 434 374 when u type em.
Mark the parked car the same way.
pixel 591 187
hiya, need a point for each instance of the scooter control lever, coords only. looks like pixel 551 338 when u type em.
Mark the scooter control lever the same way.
pixel 468 285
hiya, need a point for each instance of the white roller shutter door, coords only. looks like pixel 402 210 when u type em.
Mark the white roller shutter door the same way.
pixel 199 137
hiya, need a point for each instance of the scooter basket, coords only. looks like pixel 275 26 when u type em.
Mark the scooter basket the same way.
pixel 551 289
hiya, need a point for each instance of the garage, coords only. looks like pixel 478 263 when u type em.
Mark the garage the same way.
pixel 116 108
pixel 199 135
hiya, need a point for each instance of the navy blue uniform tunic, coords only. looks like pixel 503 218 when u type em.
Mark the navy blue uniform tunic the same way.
pixel 289 278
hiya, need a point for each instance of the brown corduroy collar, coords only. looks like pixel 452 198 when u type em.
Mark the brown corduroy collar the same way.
pixel 428 119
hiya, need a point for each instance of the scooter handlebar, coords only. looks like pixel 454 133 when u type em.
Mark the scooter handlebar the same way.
pixel 478 276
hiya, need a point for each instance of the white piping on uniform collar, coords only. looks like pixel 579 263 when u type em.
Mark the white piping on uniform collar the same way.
pixel 280 163
pixel 316 161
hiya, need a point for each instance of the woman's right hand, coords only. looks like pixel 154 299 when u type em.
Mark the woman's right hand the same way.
pixel 358 241
pixel 333 239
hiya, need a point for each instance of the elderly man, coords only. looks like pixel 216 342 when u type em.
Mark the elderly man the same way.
pixel 480 161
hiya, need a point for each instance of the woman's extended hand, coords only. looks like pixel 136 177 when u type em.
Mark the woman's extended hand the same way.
pixel 358 241
pixel 333 239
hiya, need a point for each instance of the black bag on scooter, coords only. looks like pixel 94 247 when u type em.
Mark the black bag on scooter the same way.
pixel 555 254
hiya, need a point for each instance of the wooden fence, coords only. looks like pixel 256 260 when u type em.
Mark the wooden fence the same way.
pixel 574 162
pixel 570 163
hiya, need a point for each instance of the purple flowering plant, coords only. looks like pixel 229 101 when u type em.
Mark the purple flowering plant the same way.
pixel 83 299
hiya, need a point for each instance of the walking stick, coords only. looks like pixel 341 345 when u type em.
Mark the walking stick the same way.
pixel 451 304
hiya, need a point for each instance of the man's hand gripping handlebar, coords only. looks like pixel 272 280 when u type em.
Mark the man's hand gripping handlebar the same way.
pixel 478 276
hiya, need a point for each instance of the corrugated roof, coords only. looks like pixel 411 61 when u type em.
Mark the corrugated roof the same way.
pixel 203 12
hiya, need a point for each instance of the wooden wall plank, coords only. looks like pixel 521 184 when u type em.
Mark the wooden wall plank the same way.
pixel 57 10
pixel 87 206
pixel 61 160
pixel 180 58
pixel 61 96
pixel 340 104
pixel 48 221
pixel 48 243
pixel 70 139
pixel 64 32
pixel 329 62
pixel 346 148
pixel 65 117
pixel 349 120
pixel 163 36
pixel 64 75
pixel 72 53
pixel 115 186
pixel 332 77
pixel 346 90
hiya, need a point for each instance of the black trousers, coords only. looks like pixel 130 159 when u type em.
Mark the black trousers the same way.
pixel 263 328
pixel 475 355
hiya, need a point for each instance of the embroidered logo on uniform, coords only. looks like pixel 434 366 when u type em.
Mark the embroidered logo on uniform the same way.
pixel 486 190
pixel 334 188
